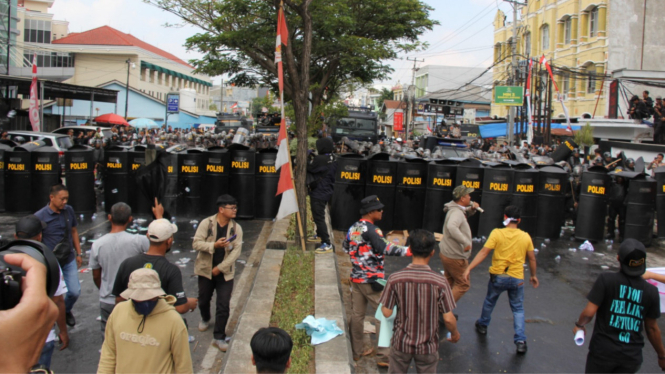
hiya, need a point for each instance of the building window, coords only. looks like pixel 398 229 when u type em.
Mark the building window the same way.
pixel 591 81
pixel 48 59
pixel 545 37
pixel 37 31
pixel 527 44
pixel 567 30
pixel 565 86
pixel 593 22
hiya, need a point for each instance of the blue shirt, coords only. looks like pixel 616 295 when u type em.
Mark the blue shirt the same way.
pixel 56 224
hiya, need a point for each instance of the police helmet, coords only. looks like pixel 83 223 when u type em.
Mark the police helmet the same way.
pixel 630 161
pixel 607 155
pixel 19 139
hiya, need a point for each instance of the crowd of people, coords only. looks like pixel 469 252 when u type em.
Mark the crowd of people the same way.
pixel 624 304
pixel 141 295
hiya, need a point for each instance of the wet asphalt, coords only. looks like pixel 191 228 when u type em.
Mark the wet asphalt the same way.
pixel 550 311
pixel 82 355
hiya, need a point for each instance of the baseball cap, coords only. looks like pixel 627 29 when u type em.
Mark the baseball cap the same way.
pixel 143 285
pixel 370 203
pixel 461 191
pixel 633 258
pixel 29 227
pixel 160 230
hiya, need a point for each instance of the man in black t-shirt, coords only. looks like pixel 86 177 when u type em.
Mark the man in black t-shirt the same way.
pixel 624 304
pixel 160 234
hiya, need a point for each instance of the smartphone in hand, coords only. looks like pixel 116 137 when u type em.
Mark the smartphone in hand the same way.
pixel 232 238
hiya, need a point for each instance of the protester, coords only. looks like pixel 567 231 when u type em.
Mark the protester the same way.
pixel 624 304
pixel 28 323
pixel 420 295
pixel 145 334
pixel 109 251
pixel 455 246
pixel 30 227
pixel 511 246
pixel 61 232
pixel 271 350
pixel 160 235
pixel 367 247
pixel 321 171
pixel 218 240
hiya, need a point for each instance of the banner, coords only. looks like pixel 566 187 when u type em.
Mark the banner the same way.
pixel 398 121
pixel 34 98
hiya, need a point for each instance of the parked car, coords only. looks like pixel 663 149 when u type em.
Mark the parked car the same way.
pixel 106 132
pixel 58 141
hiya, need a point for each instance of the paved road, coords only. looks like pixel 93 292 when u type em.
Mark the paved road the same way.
pixel 82 356
pixel 550 311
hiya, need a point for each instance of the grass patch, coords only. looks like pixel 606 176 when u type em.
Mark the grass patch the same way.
pixel 294 300
pixel 311 226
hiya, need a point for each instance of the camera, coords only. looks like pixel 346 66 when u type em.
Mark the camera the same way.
pixel 11 276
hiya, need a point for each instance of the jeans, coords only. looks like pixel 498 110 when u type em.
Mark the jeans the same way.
pixel 105 312
pixel 515 288
pixel 224 290
pixel 361 295
pixel 400 362
pixel 319 216
pixel 70 272
pixel 47 353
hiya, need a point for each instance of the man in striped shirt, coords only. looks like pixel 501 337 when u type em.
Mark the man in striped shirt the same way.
pixel 420 294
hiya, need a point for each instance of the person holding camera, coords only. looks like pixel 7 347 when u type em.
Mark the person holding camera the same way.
pixel 30 228
pixel 61 236
pixel 30 321
pixel 656 163
pixel 218 241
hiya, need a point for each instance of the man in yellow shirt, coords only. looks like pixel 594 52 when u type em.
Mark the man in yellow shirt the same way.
pixel 512 247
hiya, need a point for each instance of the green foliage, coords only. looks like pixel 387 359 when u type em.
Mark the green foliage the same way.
pixel 584 137
pixel 259 102
pixel 212 107
pixel 386 94
pixel 351 40
pixel 294 300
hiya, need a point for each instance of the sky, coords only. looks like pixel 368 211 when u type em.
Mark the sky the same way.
pixel 463 38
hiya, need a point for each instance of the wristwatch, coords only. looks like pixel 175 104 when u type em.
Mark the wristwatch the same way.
pixel 79 255
pixel 578 325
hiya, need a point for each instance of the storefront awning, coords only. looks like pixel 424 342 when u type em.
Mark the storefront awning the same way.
pixel 56 90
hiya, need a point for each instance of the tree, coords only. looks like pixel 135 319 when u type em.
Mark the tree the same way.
pixel 386 94
pixel 258 103
pixel 330 43
pixel 213 107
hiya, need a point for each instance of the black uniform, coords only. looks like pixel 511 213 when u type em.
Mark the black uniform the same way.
pixel 617 207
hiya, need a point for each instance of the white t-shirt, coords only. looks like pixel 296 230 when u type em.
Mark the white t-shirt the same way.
pixel 62 289
pixel 109 252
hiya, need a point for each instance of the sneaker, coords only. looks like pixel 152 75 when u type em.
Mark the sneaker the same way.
pixel 481 329
pixel 324 248
pixel 227 339
pixel 69 318
pixel 521 347
pixel 203 325
pixel 221 344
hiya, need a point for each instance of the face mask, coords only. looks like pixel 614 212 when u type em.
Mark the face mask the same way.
pixel 144 308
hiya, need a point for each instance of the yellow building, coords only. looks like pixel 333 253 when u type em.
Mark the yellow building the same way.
pixel 571 34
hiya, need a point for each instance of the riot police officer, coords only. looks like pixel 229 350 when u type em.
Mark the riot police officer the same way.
pixel 630 164
pixel 575 158
pixel 617 207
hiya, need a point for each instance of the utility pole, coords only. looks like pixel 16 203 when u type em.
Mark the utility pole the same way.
pixel 513 72
pixel 129 64
pixel 411 95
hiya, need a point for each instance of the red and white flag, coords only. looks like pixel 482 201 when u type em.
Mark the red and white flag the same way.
pixel 34 99
pixel 289 204
pixel 544 61
pixel 529 131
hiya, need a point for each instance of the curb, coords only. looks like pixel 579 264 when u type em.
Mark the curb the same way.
pixel 277 238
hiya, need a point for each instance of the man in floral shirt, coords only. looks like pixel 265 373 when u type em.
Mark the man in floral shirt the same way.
pixel 367 247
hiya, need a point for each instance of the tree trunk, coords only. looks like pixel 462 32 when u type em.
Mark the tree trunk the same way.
pixel 300 106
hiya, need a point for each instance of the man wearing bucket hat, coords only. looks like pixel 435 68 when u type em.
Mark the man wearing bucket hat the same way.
pixel 624 304
pixel 145 334
pixel 455 247
pixel 367 247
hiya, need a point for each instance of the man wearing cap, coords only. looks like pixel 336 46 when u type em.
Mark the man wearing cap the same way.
pixel 511 247
pixel 624 304
pixel 145 334
pixel 367 247
pixel 160 235
pixel 218 240
pixel 109 251
pixel 30 227
pixel 455 247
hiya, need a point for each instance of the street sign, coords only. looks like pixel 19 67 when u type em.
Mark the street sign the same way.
pixel 509 95
pixel 398 120
pixel 173 103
